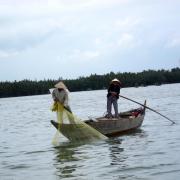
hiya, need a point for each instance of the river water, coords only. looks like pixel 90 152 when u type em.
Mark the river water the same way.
pixel 26 150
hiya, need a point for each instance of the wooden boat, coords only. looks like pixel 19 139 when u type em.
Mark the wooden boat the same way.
pixel 127 122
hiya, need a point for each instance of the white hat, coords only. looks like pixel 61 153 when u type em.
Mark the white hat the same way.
pixel 116 80
pixel 60 85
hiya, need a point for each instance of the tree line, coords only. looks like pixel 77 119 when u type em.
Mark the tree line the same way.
pixel 93 82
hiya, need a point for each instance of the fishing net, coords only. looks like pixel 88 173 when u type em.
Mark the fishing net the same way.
pixel 72 127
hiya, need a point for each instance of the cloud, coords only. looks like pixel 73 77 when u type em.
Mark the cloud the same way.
pixel 174 42
pixel 84 33
pixel 43 7
pixel 83 56
pixel 26 24
pixel 126 40
pixel 4 54
pixel 23 34
pixel 128 22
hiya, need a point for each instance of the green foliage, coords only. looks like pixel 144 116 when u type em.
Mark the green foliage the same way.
pixel 93 82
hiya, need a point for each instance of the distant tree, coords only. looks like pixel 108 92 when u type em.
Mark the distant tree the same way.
pixel 93 82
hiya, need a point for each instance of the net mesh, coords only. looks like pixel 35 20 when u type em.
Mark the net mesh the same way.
pixel 72 127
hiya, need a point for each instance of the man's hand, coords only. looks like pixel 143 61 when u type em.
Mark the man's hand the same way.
pixel 113 93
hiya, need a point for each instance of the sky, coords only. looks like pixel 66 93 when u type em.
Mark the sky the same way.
pixel 51 39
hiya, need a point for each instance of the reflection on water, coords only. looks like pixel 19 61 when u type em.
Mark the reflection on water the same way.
pixel 65 153
pixel 116 150
pixel 71 157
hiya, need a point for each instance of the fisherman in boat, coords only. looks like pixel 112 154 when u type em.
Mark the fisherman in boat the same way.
pixel 112 98
pixel 60 94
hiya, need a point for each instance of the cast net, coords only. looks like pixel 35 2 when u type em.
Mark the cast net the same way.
pixel 72 127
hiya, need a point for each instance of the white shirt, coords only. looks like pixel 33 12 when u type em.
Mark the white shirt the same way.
pixel 61 96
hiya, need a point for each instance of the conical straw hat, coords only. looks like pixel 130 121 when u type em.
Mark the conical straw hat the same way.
pixel 60 85
pixel 116 80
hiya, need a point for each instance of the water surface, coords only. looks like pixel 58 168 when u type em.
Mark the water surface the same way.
pixel 26 151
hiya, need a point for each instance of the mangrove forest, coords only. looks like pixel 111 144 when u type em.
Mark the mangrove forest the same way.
pixel 93 82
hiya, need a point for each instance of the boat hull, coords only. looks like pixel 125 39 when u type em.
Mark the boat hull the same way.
pixel 126 123
pixel 114 127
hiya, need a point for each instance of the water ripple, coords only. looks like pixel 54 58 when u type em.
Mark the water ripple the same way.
pixel 149 153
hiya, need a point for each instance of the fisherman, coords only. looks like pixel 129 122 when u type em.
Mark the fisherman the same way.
pixel 112 97
pixel 60 94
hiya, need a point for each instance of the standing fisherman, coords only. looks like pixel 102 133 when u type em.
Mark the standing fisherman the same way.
pixel 60 94
pixel 112 97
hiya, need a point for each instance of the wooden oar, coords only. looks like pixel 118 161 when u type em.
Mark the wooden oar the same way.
pixel 147 108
